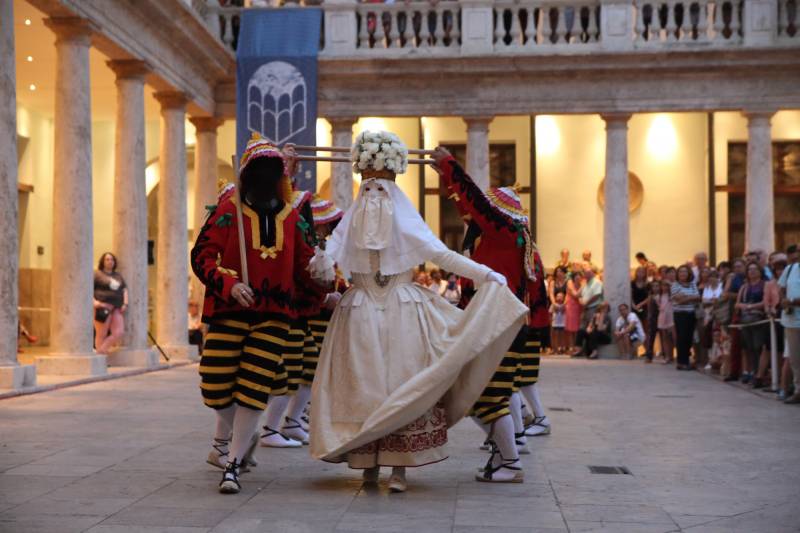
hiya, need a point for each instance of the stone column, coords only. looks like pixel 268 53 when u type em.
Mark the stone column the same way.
pixel 205 176
pixel 759 198
pixel 172 252
pixel 616 227
pixel 342 173
pixel 130 211
pixel 71 289
pixel 478 150
pixel 12 374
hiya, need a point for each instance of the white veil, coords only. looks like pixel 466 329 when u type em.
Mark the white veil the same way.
pixel 407 243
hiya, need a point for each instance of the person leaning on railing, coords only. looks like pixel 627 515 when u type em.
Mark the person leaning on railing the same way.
pixel 755 331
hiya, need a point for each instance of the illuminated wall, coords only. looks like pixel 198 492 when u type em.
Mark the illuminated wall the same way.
pixel 666 151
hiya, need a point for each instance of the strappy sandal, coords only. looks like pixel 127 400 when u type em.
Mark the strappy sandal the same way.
pixel 487 476
pixel 290 424
pixel 285 441
pixel 522 446
pixel 230 479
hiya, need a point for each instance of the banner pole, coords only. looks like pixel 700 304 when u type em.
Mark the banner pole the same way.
pixel 240 222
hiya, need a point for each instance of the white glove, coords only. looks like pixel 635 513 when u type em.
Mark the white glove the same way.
pixel 332 300
pixel 321 266
pixel 496 277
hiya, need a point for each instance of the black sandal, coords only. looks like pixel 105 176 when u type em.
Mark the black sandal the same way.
pixel 230 479
pixel 489 470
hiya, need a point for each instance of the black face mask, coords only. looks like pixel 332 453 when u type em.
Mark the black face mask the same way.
pixel 261 180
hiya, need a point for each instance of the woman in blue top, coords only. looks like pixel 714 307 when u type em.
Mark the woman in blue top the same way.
pixel 685 297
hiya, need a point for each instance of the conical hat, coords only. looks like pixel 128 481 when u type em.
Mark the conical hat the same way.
pixel 507 200
pixel 325 211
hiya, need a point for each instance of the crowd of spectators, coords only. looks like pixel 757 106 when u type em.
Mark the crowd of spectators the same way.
pixel 721 319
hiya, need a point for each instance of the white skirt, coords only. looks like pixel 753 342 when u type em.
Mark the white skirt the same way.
pixel 400 365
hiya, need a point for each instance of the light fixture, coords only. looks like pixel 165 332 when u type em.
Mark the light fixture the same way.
pixel 662 139
pixel 32 87
pixel 27 22
pixel 548 135
pixel 29 58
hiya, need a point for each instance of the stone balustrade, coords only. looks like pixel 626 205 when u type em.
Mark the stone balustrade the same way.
pixel 481 27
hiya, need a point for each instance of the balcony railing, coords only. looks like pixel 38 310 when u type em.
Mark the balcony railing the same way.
pixel 482 27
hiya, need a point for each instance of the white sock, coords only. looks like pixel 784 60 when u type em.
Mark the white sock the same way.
pixel 276 406
pixel 245 424
pixel 504 438
pixel 225 422
pixel 298 402
pixel 531 393
pixel 516 412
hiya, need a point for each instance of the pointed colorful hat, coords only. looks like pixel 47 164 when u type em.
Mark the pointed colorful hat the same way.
pixel 325 211
pixel 507 200
pixel 257 147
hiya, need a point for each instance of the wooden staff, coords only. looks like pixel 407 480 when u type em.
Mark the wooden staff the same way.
pixel 305 148
pixel 348 160
pixel 240 222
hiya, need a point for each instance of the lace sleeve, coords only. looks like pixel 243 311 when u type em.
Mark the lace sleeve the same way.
pixel 466 268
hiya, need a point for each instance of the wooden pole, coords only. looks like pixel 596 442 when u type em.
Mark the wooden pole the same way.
pixel 335 159
pixel 308 148
pixel 240 222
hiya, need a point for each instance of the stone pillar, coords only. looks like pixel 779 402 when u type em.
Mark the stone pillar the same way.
pixel 478 150
pixel 205 176
pixel 71 292
pixel 12 374
pixel 172 252
pixel 616 228
pixel 759 198
pixel 130 211
pixel 342 173
pixel 477 27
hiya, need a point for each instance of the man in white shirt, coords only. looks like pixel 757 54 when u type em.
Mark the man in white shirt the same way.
pixel 628 332
pixel 789 284
pixel 591 294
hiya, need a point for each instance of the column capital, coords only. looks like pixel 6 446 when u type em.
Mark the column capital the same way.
pixel 203 124
pixel 73 29
pixel 171 99
pixel 478 121
pixel 618 120
pixel 129 68
pixel 759 113
pixel 342 122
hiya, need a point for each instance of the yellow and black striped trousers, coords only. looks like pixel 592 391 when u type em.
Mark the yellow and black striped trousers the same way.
pixel 496 397
pixel 317 327
pixel 528 366
pixel 247 361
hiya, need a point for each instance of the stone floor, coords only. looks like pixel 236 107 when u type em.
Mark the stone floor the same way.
pixel 128 456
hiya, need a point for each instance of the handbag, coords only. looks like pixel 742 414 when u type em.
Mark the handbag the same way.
pixel 101 314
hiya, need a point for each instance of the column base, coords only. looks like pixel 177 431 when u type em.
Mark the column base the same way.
pixel 140 357
pixel 72 365
pixel 17 376
pixel 181 352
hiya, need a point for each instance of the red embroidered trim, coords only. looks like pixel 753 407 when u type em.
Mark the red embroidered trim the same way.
pixel 431 432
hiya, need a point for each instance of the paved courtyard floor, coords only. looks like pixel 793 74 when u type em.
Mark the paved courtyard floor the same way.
pixel 128 456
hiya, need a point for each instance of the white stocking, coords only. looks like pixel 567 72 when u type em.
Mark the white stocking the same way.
pixel 298 402
pixel 516 412
pixel 531 393
pixel 225 422
pixel 244 426
pixel 276 406
pixel 504 438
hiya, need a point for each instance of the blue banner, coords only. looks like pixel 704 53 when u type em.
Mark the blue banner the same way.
pixel 276 80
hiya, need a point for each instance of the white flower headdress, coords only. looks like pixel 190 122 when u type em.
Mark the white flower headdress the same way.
pixel 379 150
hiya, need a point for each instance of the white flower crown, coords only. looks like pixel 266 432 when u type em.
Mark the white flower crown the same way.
pixel 379 150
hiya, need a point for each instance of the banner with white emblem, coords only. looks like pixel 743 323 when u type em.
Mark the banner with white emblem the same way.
pixel 276 80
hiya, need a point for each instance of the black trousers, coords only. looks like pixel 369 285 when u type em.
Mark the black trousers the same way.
pixel 593 340
pixel 684 329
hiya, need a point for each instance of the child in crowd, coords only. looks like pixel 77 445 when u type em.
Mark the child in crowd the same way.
pixel 558 320
pixel 666 322
pixel 719 349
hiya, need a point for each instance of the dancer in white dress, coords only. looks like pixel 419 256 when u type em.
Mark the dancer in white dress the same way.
pixel 399 364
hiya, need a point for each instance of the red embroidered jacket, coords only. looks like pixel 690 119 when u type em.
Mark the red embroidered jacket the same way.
pixel 498 246
pixel 277 268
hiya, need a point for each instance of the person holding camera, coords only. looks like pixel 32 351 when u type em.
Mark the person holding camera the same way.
pixel 110 303
pixel 789 284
